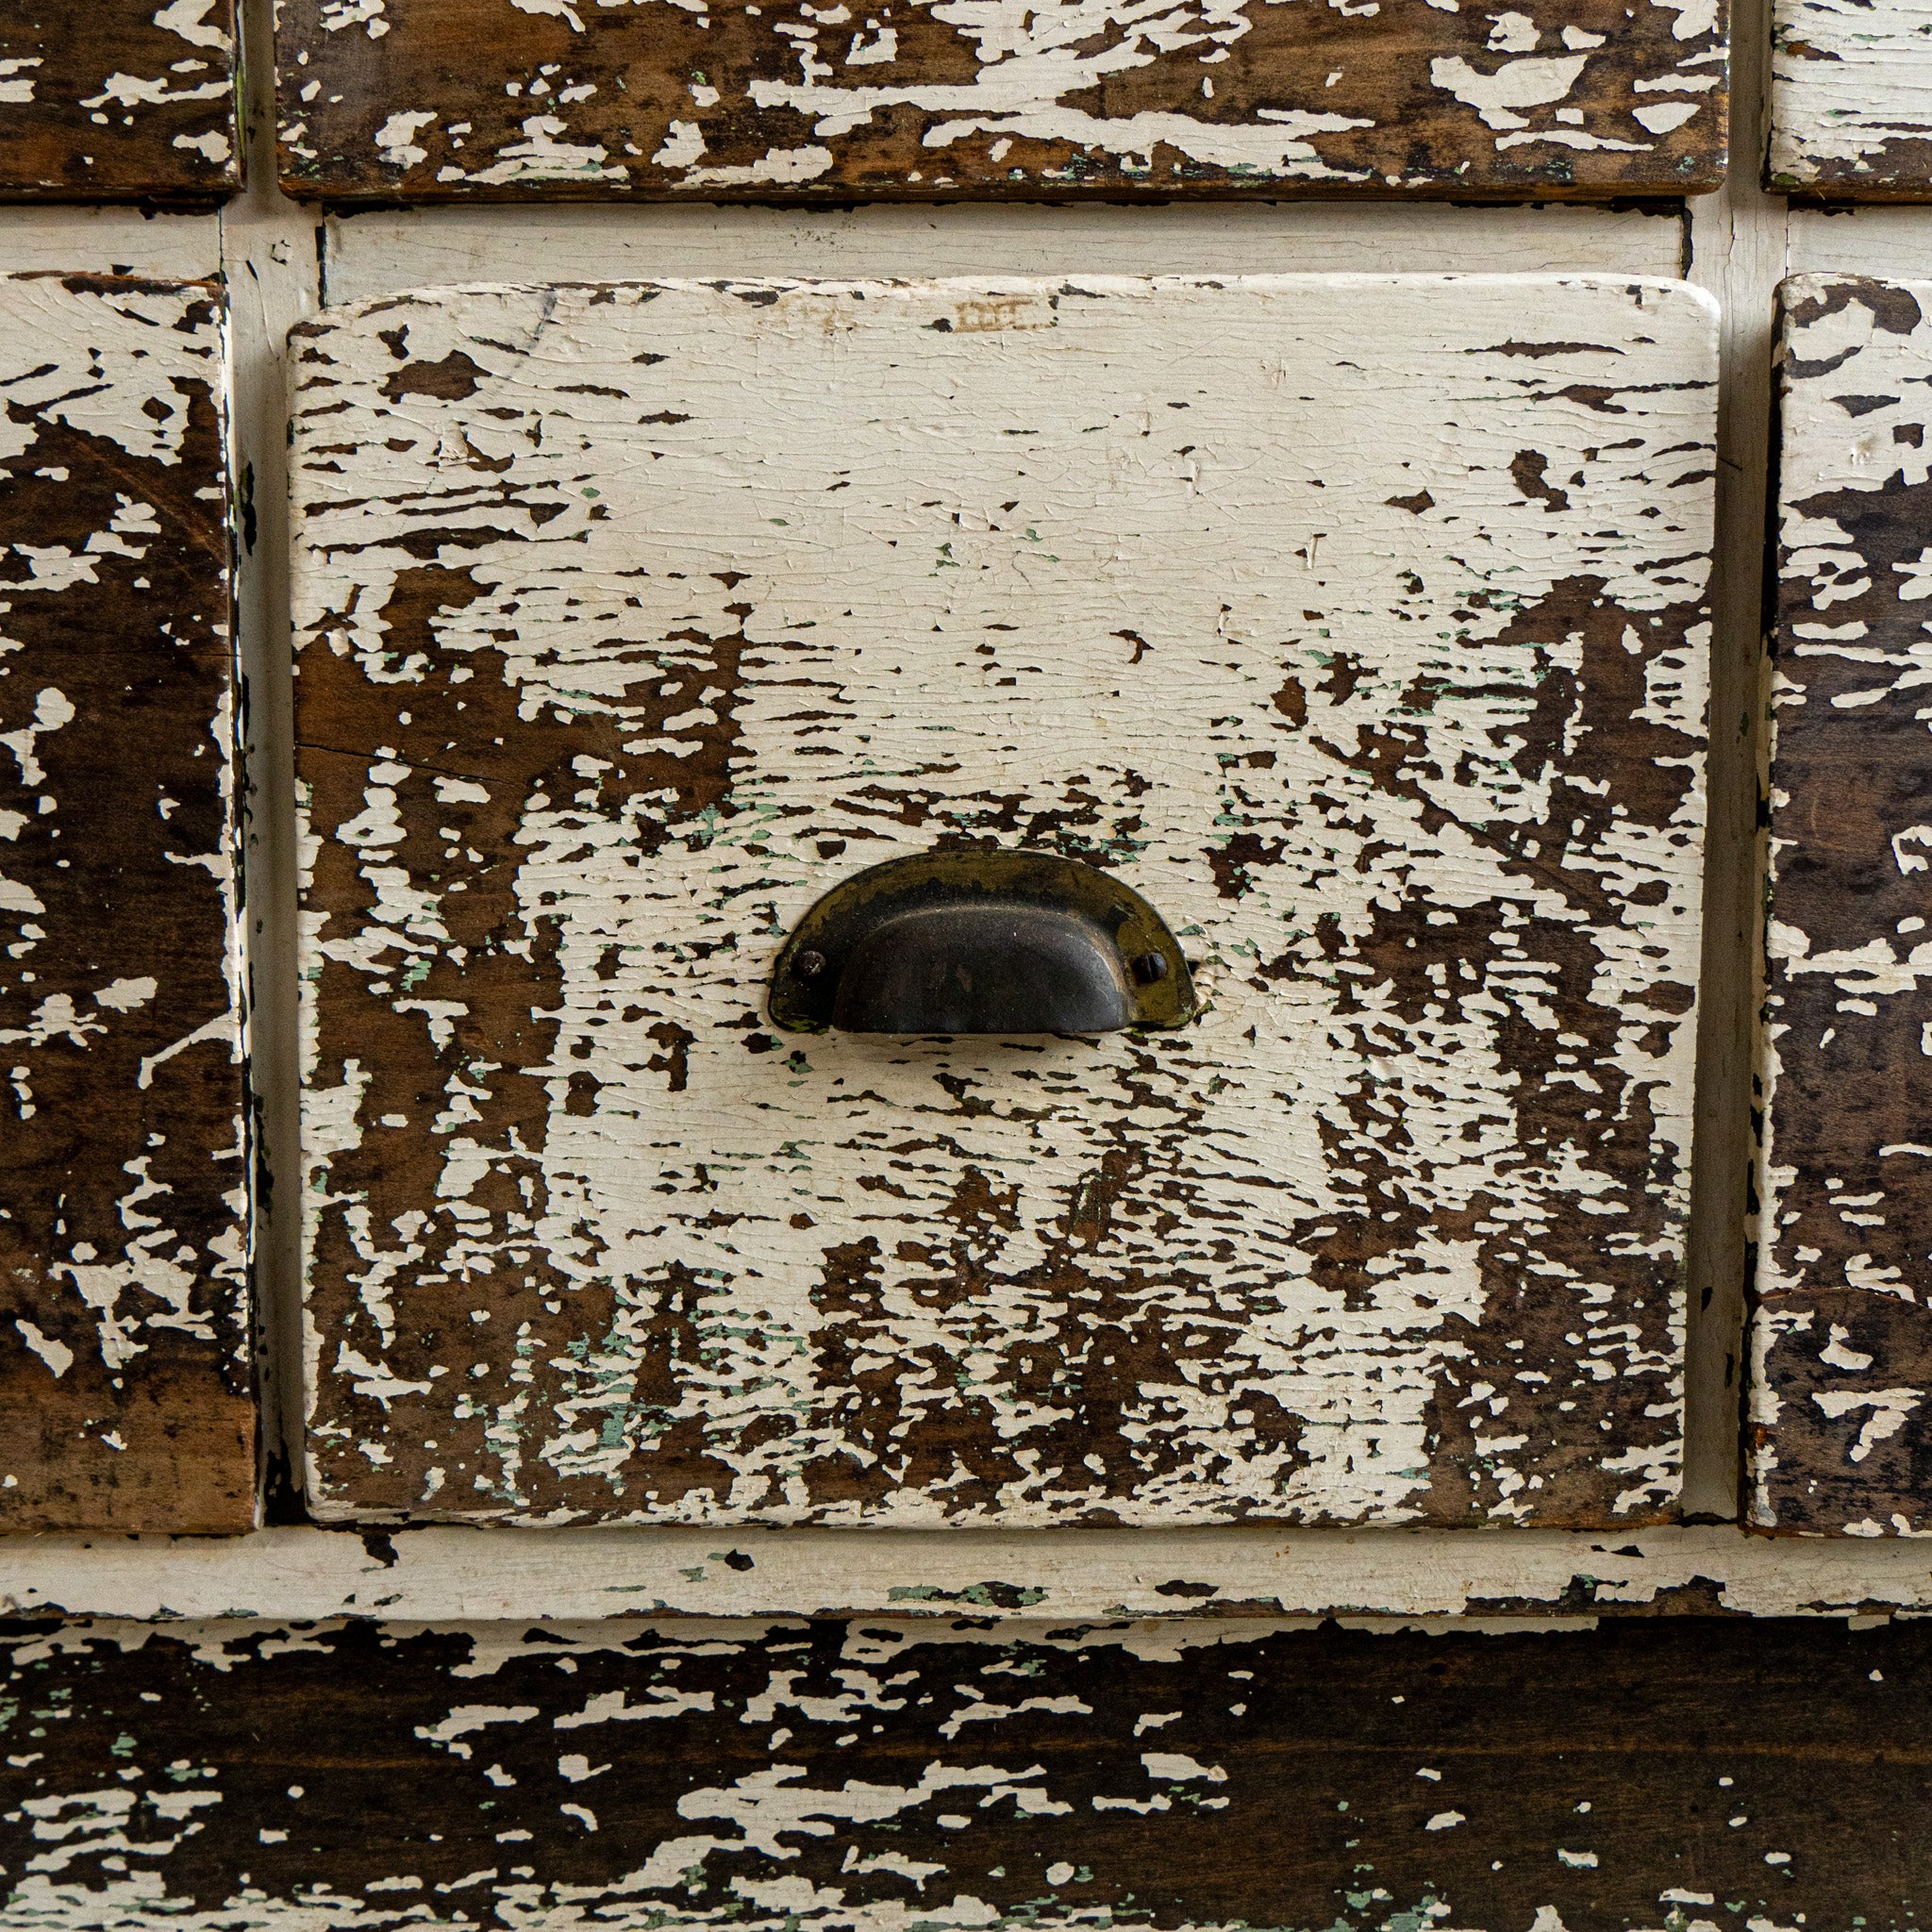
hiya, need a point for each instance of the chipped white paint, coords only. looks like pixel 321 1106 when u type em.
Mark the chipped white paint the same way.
pixel 1852 97
pixel 1328 489
pixel 999 92
pixel 1841 1391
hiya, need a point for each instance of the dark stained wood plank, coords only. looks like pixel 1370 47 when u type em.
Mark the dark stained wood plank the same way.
pixel 633 618
pixel 110 100
pixel 1674 1772
pixel 1842 1403
pixel 124 1379
pixel 416 100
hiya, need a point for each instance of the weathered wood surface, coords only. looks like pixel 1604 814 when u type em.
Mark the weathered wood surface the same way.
pixel 632 617
pixel 1851 98
pixel 110 99
pixel 507 99
pixel 1842 1429
pixel 124 1381
pixel 1678 1772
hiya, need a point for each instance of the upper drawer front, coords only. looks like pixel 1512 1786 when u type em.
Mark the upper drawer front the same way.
pixel 1848 93
pixel 1358 623
pixel 509 99
pixel 125 1395
pixel 110 99
pixel 1843 1442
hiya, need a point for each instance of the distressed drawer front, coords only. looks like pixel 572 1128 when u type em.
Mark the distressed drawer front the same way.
pixel 1843 1442
pixel 1357 622
pixel 848 1776
pixel 505 99
pixel 108 99
pixel 125 1383
pixel 1848 99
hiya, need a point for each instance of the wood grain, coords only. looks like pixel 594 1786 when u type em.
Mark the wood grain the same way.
pixel 508 99
pixel 1676 1772
pixel 1850 117
pixel 115 99
pixel 125 1377
pixel 1842 1431
pixel 1370 647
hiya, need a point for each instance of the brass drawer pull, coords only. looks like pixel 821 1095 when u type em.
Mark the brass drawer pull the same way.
pixel 979 941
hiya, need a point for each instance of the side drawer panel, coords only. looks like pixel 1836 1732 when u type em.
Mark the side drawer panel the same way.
pixel 1843 1398
pixel 1847 106
pixel 125 1387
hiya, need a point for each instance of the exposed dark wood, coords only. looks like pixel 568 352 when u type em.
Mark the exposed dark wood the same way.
pixel 1676 1772
pixel 124 1381
pixel 110 100
pixel 1842 1410
pixel 497 100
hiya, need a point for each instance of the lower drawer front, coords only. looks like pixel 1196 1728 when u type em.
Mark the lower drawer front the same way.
pixel 1356 623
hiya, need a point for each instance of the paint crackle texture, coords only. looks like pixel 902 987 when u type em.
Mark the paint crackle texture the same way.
pixel 510 99
pixel 1358 623
pixel 1842 1407
pixel 112 98
pixel 1851 113
pixel 124 1382
pixel 873 1776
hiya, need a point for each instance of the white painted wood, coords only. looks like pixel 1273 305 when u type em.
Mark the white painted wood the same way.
pixel 1852 97
pixel 1418 480
pixel 437 1574
pixel 109 240
pixel 369 254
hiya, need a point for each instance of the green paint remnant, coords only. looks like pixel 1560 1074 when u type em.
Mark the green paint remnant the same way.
pixel 998 1596
pixel 123 1746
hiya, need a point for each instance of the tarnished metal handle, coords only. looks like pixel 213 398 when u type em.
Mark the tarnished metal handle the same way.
pixel 981 941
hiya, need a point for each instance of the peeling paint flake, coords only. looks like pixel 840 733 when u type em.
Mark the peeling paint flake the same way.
pixel 1361 648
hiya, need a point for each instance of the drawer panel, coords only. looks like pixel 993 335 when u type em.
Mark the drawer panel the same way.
pixel 1219 1774
pixel 413 100
pixel 1368 644
pixel 125 1398
pixel 1848 86
pixel 1842 1437
pixel 117 98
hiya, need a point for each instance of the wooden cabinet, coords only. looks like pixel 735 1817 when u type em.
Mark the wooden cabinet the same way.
pixel 1359 623
pixel 389 100
pixel 108 100
pixel 125 1380
pixel 1842 1441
